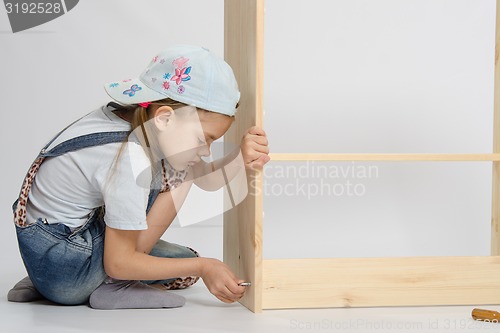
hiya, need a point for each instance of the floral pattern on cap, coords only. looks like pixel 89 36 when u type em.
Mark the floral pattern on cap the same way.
pixel 180 62
pixel 182 71
pixel 186 73
pixel 181 75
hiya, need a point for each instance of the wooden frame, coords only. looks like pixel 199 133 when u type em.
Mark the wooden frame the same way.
pixel 342 282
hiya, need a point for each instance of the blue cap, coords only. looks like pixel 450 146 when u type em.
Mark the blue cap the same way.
pixel 185 73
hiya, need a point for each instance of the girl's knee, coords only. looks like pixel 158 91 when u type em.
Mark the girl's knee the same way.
pixel 171 250
pixel 195 253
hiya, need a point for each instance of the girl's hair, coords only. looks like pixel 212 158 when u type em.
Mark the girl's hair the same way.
pixel 140 115
pixel 142 129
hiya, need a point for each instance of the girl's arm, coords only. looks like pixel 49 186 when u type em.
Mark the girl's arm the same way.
pixel 122 261
pixel 254 151
pixel 126 253
pixel 161 215
pixel 208 176
pixel 255 148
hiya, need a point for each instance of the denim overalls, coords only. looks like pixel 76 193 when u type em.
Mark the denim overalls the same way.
pixel 66 265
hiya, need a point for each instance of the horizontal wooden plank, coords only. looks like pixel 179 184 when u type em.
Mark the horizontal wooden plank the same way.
pixel 359 282
pixel 387 157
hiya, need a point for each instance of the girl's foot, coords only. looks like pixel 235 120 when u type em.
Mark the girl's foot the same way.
pixel 24 291
pixel 118 294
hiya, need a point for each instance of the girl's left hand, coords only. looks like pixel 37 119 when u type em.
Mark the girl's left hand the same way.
pixel 254 148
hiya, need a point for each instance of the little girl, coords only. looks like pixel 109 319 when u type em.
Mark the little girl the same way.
pixel 109 185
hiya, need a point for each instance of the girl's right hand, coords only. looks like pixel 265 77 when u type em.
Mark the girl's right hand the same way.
pixel 221 281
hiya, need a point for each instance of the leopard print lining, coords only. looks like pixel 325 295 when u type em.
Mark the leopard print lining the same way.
pixel 172 178
pixel 183 282
pixel 20 211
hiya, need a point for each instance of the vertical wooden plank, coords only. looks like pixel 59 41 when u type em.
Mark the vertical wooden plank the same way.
pixel 495 205
pixel 244 51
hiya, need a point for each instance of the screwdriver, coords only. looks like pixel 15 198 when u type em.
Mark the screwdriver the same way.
pixel 486 315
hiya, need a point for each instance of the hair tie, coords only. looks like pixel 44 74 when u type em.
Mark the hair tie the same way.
pixel 144 104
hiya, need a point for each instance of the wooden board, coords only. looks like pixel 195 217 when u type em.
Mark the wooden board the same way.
pixel 344 282
pixel 388 157
pixel 495 204
pixel 243 50
pixel 359 282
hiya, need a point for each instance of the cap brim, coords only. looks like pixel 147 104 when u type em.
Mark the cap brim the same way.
pixel 131 91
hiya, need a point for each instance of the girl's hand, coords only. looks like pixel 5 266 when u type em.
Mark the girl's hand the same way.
pixel 254 148
pixel 221 281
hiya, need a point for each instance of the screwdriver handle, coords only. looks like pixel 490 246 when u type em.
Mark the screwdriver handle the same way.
pixel 488 315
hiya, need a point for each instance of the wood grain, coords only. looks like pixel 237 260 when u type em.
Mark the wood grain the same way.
pixel 244 51
pixel 495 199
pixel 388 157
pixel 360 282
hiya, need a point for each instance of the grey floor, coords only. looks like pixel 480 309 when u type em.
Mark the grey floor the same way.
pixel 204 313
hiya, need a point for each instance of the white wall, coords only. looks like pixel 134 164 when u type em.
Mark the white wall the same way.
pixel 341 76
pixel 385 76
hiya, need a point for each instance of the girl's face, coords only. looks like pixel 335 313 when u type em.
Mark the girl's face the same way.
pixel 185 134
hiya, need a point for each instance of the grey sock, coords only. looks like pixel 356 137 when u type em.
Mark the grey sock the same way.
pixel 24 291
pixel 117 294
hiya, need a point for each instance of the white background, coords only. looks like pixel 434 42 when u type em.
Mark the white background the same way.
pixel 340 76
pixel 390 76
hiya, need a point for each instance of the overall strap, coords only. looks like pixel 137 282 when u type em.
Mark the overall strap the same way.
pixel 74 144
pixel 166 179
pixel 61 132
pixel 84 141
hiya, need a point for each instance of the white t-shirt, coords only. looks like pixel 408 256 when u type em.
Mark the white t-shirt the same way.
pixel 68 187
